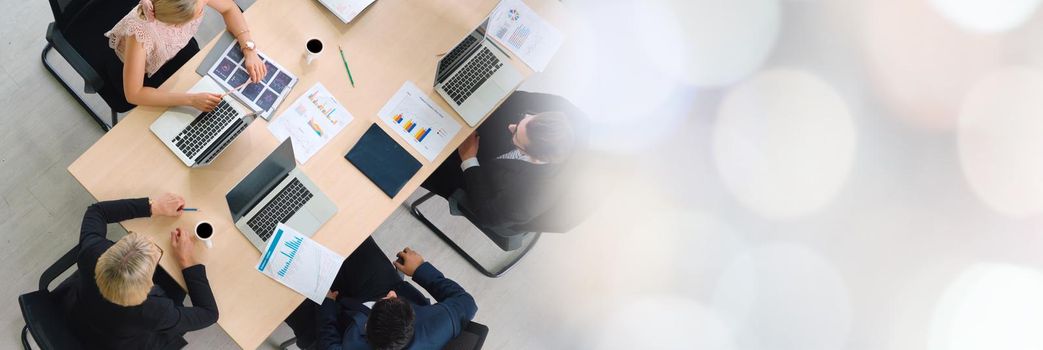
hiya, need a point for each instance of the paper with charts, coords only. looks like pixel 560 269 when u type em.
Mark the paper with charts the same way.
pixel 534 40
pixel 419 121
pixel 311 122
pixel 264 96
pixel 346 10
pixel 300 263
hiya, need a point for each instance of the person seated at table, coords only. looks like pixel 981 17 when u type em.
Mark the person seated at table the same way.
pixel 370 306
pixel 148 41
pixel 122 301
pixel 508 167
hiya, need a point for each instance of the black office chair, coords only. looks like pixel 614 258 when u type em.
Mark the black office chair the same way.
pixel 77 34
pixel 44 312
pixel 471 338
pixel 581 190
pixel 508 240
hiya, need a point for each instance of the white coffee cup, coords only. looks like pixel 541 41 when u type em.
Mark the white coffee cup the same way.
pixel 312 50
pixel 205 232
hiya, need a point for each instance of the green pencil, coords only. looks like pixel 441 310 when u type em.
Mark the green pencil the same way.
pixel 346 66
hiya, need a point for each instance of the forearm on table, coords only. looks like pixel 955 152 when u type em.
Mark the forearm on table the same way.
pixel 149 96
pixel 235 22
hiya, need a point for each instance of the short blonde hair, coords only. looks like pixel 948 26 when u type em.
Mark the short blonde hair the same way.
pixel 124 271
pixel 174 11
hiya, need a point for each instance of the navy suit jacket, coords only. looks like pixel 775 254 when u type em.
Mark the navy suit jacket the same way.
pixel 434 324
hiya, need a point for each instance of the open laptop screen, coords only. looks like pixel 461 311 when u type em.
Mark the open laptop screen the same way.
pixel 252 188
pixel 453 59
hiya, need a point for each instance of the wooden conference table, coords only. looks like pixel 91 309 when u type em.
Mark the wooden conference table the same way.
pixel 391 42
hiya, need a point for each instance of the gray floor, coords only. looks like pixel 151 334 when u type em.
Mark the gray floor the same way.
pixel 42 130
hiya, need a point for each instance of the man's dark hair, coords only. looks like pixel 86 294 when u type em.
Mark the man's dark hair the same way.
pixel 390 324
pixel 551 138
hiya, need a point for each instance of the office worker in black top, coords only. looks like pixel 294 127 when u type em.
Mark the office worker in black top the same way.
pixel 122 300
pixel 511 167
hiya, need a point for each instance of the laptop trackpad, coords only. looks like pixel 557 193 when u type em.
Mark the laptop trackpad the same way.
pixel 304 222
pixel 487 96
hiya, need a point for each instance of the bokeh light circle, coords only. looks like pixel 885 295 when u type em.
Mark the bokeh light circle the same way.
pixel 784 296
pixel 921 64
pixel 990 306
pixel 1000 142
pixel 987 16
pixel 784 142
pixel 664 322
pixel 719 42
pixel 618 102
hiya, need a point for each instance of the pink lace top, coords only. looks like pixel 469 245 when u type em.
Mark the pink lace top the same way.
pixel 161 41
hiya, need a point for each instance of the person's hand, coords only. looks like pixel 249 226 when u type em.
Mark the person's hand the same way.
pixel 255 67
pixel 168 204
pixel 204 101
pixel 408 261
pixel 184 248
pixel 332 295
pixel 469 148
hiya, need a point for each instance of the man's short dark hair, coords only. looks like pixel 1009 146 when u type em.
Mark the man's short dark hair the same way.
pixel 551 137
pixel 390 324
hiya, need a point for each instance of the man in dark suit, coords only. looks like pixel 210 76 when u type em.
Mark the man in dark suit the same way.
pixel 371 307
pixel 121 300
pixel 509 168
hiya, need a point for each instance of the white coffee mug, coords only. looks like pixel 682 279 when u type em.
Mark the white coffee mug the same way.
pixel 204 232
pixel 312 50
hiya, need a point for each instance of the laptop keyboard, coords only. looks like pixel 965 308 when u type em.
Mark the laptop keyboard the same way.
pixel 279 209
pixel 476 72
pixel 458 51
pixel 204 128
pixel 238 125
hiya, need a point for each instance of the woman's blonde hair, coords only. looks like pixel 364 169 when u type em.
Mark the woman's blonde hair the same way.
pixel 174 11
pixel 124 271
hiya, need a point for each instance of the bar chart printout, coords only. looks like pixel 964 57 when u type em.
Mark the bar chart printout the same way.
pixel 414 117
pixel 300 263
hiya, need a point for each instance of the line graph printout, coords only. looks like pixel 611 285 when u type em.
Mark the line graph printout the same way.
pixel 300 263
pixel 417 119
pixel 311 122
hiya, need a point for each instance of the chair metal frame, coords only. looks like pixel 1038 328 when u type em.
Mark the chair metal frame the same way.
pixel 92 81
pixel 415 210
pixel 64 263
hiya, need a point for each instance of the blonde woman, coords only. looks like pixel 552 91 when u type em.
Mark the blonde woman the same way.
pixel 155 31
pixel 123 301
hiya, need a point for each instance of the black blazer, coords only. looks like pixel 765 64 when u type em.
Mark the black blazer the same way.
pixel 159 322
pixel 507 193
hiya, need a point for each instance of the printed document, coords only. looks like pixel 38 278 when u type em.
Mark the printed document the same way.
pixel 300 263
pixel 311 122
pixel 520 29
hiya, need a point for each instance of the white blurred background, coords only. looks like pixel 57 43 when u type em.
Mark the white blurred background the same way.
pixel 813 174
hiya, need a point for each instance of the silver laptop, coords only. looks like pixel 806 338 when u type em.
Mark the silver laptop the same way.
pixel 277 191
pixel 197 137
pixel 475 76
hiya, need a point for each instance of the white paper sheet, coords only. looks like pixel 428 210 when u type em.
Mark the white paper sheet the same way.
pixel 300 263
pixel 346 10
pixel 520 29
pixel 417 119
pixel 311 122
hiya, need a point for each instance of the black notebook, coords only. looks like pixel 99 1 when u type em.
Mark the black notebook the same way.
pixel 383 160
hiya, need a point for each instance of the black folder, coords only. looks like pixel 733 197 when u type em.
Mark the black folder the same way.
pixel 383 160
